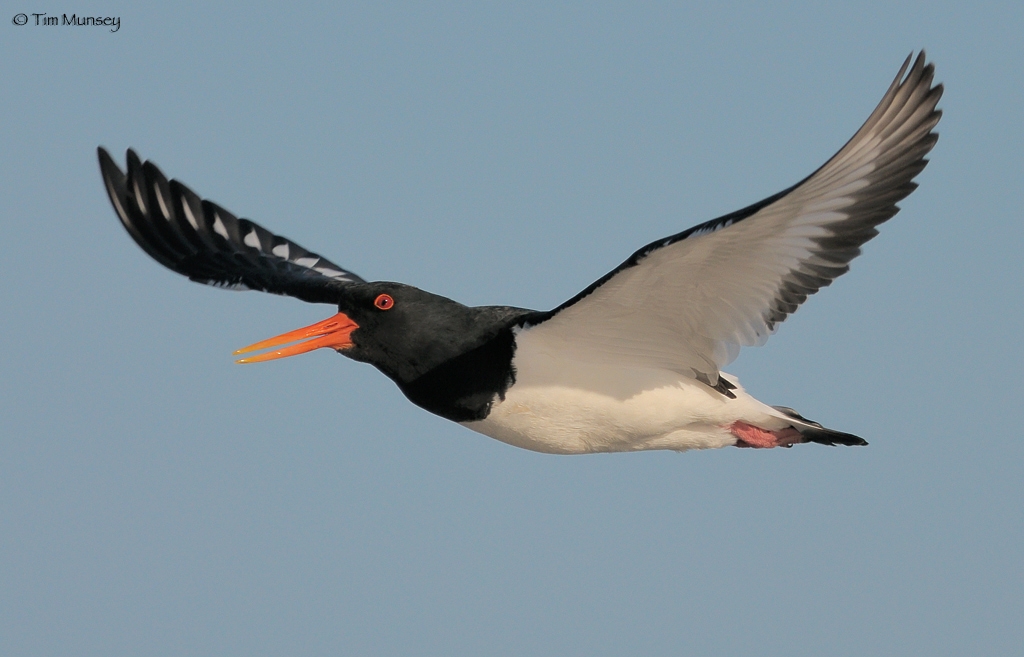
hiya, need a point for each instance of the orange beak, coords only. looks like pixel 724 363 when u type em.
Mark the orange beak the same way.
pixel 333 332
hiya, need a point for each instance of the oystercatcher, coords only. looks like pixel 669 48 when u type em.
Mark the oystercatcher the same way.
pixel 632 362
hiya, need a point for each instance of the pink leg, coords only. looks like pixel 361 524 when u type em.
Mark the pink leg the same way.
pixel 750 436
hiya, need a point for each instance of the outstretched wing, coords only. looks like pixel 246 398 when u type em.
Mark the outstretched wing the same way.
pixel 690 301
pixel 210 245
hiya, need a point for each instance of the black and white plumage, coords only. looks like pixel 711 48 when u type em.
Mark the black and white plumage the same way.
pixel 207 243
pixel 632 362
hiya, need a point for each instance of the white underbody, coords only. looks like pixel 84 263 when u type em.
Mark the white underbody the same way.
pixel 616 368
pixel 563 406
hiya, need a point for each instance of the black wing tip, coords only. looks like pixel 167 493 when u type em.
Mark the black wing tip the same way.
pixel 112 174
pixel 114 177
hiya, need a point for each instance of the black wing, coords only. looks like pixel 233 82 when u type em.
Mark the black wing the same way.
pixel 201 240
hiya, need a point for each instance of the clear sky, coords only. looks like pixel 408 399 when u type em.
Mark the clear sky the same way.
pixel 156 499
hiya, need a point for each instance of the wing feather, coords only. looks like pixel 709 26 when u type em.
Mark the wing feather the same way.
pixel 688 302
pixel 201 240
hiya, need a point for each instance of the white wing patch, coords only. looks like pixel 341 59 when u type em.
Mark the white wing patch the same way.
pixel 253 240
pixel 191 218
pixel 218 227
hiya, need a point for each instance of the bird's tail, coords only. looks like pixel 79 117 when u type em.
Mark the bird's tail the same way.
pixel 812 432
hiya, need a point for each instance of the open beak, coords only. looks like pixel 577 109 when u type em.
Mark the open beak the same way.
pixel 333 332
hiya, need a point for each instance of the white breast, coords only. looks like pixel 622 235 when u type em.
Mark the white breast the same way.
pixel 564 406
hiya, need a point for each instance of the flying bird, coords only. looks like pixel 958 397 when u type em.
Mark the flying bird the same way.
pixel 634 361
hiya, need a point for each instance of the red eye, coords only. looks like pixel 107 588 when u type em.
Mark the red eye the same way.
pixel 384 302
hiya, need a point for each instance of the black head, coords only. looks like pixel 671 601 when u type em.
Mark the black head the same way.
pixel 449 358
pixel 406 332
pixel 446 357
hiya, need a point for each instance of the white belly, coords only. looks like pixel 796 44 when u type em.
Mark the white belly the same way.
pixel 574 408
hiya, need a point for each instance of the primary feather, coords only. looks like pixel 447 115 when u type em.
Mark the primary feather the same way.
pixel 201 240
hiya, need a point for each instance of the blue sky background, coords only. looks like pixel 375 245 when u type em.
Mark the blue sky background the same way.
pixel 157 499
